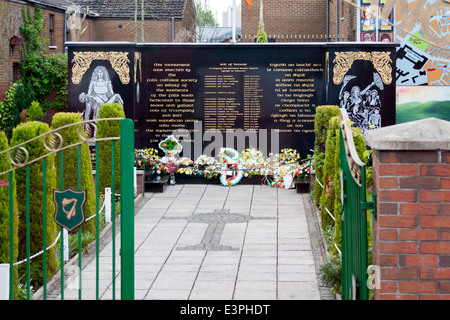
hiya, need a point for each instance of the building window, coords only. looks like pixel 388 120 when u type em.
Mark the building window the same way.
pixel 51 29
pixel 16 71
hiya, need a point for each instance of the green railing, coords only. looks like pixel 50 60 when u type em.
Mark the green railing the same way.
pixel 354 223
pixel 53 142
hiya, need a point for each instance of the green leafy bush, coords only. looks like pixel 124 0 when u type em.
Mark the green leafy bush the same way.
pixel 321 122
pixel 46 73
pixel 109 129
pixel 23 98
pixel 331 273
pixel 261 36
pixel 9 118
pixel 24 132
pixel 70 157
pixel 4 212
pixel 327 199
pixel 337 237
pixel 35 112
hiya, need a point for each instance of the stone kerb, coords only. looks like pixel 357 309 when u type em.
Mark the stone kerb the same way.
pixel 411 234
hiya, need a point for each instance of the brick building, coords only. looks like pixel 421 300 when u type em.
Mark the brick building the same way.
pixel 300 20
pixel 107 20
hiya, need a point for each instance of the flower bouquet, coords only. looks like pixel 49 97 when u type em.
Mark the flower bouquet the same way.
pixel 302 177
pixel 207 166
pixel 185 166
pixel 253 162
pixel 289 156
pixel 146 159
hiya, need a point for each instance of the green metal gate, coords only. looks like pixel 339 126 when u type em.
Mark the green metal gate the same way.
pixel 354 223
pixel 53 142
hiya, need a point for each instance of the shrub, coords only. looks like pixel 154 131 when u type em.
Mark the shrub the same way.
pixel 327 198
pixel 109 129
pixel 23 98
pixel 8 112
pixel 70 158
pixel 337 237
pixel 4 212
pixel 321 121
pixel 261 36
pixel 24 132
pixel 331 273
pixel 35 112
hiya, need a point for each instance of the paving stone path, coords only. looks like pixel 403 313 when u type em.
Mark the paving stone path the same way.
pixel 200 242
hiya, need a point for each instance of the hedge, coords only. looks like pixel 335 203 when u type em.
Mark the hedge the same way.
pixel 4 212
pixel 321 121
pixel 329 182
pixel 24 132
pixel 327 148
pixel 70 136
pixel 109 129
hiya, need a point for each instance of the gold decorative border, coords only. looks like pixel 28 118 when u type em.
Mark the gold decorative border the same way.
pixel 344 60
pixel 82 61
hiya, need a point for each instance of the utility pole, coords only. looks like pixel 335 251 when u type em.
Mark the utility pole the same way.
pixel 135 20
pixel 234 22
pixel 142 22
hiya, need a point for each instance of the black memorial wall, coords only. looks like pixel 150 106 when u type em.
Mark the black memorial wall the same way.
pixel 243 95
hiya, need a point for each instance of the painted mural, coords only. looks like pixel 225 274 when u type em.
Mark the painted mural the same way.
pixel 415 103
pixel 422 28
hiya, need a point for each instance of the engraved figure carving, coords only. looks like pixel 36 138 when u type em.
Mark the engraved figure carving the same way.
pixel 363 106
pixel 100 91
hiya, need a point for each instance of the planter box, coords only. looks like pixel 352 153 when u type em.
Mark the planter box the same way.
pixel 155 183
pixel 302 186
pixel 199 179
pixel 151 183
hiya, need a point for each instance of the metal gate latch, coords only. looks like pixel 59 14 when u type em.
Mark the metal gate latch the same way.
pixel 371 205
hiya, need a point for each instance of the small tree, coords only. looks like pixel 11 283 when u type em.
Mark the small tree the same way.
pixel 70 157
pixel 204 19
pixel 8 111
pixel 321 122
pixel 328 181
pixel 22 133
pixel 4 212
pixel 262 36
pixel 337 237
pixel 35 112
pixel 109 129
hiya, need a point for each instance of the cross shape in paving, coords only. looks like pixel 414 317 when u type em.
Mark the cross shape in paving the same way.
pixel 216 222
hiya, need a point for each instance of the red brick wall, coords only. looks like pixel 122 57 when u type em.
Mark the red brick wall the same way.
pixel 97 30
pixel 282 17
pixel 411 236
pixel 123 30
pixel 347 25
pixel 11 55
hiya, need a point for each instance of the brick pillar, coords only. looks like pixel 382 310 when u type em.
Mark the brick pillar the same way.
pixel 411 235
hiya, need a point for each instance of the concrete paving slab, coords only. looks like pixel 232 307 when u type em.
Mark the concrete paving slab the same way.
pixel 202 242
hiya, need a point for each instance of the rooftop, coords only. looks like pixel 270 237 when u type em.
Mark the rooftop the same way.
pixel 153 9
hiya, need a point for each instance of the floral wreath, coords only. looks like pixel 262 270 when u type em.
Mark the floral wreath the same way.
pixel 231 168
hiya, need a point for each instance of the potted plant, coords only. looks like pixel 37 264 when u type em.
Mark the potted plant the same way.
pixel 302 177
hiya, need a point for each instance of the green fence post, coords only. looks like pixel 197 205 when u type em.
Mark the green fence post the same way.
pixel 127 208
